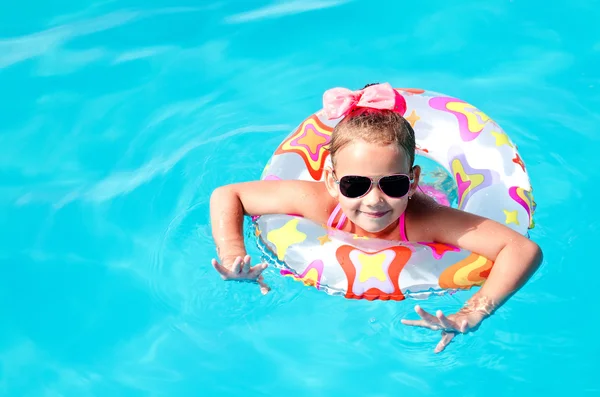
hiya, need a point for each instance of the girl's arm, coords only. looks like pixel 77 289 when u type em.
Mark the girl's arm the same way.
pixel 229 204
pixel 515 257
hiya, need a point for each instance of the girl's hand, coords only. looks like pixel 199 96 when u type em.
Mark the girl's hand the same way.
pixel 241 270
pixel 462 322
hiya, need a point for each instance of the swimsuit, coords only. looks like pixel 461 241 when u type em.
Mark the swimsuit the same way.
pixel 342 221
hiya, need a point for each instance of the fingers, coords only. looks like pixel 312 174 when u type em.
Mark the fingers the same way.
pixel 419 323
pixel 221 269
pixel 241 270
pixel 215 264
pixel 450 325
pixel 427 320
pixel 258 269
pixel 246 264
pixel 228 273
pixel 237 265
pixel 445 322
pixel 446 338
pixel 264 288
pixel 426 316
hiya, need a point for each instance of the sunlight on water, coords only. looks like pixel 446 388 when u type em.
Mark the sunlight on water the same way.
pixel 119 119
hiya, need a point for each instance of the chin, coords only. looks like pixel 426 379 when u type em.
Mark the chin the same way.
pixel 374 226
pixel 374 230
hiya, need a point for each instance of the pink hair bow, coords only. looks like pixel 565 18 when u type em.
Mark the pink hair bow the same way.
pixel 338 102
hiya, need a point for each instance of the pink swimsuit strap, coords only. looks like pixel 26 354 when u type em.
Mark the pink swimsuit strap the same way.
pixel 342 221
pixel 333 215
pixel 402 227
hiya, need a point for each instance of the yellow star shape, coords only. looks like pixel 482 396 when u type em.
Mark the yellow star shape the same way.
pixel 324 239
pixel 257 231
pixel 511 217
pixel 285 236
pixel 501 139
pixel 413 118
pixel 371 267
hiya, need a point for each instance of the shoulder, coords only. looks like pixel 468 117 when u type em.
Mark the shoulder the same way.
pixel 315 201
pixel 312 199
pixel 437 220
pixel 309 199
pixel 420 211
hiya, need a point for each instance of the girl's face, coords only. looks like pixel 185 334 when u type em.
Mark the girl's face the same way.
pixel 375 211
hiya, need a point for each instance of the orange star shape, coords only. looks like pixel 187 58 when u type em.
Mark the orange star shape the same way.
pixel 324 239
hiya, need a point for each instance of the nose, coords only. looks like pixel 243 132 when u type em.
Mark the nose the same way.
pixel 374 197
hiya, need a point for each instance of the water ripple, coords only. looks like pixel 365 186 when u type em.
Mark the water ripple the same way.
pixel 119 122
pixel 280 9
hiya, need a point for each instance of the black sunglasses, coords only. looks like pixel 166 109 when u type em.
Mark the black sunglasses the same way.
pixel 356 186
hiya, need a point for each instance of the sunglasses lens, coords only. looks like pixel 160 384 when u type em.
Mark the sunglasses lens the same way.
pixel 354 186
pixel 395 185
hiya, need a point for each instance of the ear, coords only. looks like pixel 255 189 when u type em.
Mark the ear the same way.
pixel 330 182
pixel 416 175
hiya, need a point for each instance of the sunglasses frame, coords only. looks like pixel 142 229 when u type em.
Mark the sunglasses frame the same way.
pixel 374 181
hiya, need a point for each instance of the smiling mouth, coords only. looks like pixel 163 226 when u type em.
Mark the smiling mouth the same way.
pixel 375 214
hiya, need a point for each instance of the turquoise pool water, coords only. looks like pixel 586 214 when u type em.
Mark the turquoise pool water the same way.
pixel 118 118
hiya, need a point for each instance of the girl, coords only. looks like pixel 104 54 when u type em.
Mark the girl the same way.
pixel 371 190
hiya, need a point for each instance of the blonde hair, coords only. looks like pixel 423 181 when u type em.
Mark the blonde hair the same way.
pixel 374 126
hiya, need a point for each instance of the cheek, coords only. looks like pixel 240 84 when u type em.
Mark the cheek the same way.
pixel 348 204
pixel 399 205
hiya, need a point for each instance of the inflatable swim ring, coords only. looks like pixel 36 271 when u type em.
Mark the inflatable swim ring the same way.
pixel 490 180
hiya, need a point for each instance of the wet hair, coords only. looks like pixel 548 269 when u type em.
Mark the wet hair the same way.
pixel 374 126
